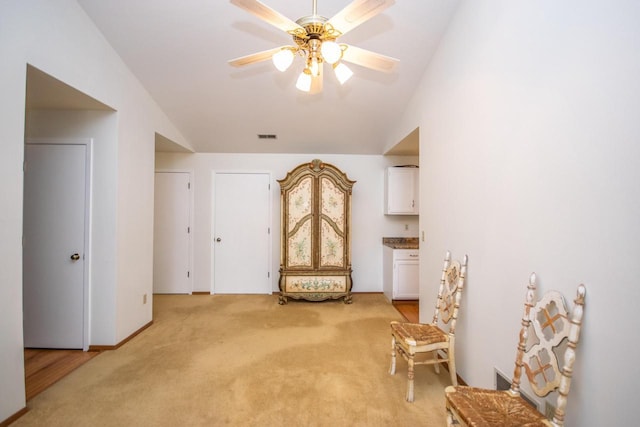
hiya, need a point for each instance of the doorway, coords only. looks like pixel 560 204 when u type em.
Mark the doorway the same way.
pixel 241 232
pixel 54 109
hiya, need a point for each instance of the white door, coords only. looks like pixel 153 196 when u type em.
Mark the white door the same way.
pixel 53 247
pixel 171 233
pixel 241 235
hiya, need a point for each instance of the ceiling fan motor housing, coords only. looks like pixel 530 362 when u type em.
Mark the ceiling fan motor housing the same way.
pixel 314 29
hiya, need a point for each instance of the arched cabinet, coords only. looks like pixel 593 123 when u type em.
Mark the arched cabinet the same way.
pixel 315 253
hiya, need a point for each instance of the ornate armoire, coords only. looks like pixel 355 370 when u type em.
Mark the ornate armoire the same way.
pixel 315 254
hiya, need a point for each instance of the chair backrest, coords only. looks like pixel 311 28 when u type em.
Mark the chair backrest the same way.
pixel 450 292
pixel 552 328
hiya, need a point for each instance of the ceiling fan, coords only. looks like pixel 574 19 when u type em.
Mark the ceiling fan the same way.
pixel 315 38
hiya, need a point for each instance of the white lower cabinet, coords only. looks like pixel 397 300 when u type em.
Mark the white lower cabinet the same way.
pixel 400 273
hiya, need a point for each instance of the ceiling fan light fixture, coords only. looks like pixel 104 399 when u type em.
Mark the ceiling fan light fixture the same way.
pixel 331 51
pixel 343 73
pixel 314 67
pixel 304 81
pixel 283 59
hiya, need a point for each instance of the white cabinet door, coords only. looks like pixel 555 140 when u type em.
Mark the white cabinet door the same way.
pixel 401 273
pixel 406 279
pixel 401 193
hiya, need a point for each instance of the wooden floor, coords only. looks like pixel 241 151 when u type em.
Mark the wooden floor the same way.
pixel 409 309
pixel 44 367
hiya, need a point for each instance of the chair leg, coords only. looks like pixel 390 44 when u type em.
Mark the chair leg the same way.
pixel 450 420
pixel 452 366
pixel 410 379
pixel 392 368
pixel 436 364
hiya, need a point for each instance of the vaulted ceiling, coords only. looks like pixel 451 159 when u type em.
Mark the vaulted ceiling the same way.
pixel 179 52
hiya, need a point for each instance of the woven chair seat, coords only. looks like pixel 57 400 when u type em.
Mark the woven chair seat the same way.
pixel 488 408
pixel 418 334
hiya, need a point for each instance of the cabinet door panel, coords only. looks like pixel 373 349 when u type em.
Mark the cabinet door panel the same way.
pixel 332 201
pixel 299 244
pixel 332 223
pixel 407 279
pixel 332 249
pixel 402 191
pixel 299 204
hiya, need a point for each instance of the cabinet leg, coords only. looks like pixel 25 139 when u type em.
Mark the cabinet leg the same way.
pixel 282 300
pixel 348 299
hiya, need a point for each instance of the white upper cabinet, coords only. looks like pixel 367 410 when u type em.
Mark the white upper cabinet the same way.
pixel 402 190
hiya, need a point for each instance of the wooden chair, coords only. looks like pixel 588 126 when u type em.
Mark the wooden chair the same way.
pixel 436 338
pixel 550 322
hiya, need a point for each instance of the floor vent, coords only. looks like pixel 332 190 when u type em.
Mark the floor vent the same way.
pixel 503 383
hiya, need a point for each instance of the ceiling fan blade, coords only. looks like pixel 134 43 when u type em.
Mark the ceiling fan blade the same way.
pixel 369 59
pixel 358 12
pixel 267 14
pixel 254 57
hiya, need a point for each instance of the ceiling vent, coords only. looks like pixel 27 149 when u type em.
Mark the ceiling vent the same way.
pixel 267 136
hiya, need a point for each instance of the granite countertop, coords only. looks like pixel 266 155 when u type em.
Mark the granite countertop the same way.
pixel 401 242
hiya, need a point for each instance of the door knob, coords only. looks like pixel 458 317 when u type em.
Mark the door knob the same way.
pixel 218 240
pixel 75 257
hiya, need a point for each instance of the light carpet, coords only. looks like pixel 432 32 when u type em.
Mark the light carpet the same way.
pixel 245 360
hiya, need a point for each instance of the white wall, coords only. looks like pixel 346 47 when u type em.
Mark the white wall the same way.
pixel 369 224
pixel 57 37
pixel 529 130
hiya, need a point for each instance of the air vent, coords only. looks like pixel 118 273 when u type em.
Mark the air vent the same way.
pixel 267 136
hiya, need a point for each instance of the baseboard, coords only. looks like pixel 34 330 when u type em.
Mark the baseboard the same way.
pixel 460 380
pixel 14 417
pixel 121 343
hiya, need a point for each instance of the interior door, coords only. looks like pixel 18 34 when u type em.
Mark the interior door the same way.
pixel 171 233
pixel 241 235
pixel 53 247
